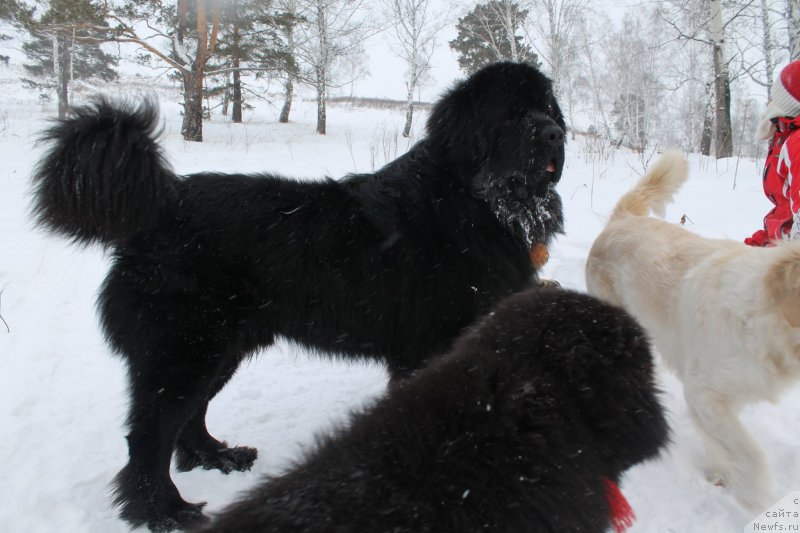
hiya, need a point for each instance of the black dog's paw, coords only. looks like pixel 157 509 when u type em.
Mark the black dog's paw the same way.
pixel 189 517
pixel 224 459
pixel 165 512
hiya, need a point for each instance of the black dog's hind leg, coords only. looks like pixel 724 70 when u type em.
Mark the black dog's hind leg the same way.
pixel 196 447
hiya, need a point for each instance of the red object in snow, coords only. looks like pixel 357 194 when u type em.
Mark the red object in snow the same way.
pixel 622 516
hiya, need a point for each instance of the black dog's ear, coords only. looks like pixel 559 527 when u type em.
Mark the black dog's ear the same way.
pixel 455 126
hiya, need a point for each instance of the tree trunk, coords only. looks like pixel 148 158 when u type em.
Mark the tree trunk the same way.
pixel 793 19
pixel 767 44
pixel 321 101
pixel 707 131
pixel 723 138
pixel 193 75
pixel 226 96
pixel 192 127
pixel 62 63
pixel 322 66
pixel 289 84
pixel 409 109
pixel 236 114
pixel 287 102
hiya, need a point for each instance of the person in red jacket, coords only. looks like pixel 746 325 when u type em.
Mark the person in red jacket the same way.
pixel 780 123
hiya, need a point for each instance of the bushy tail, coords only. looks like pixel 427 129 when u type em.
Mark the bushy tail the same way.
pixel 104 178
pixel 656 188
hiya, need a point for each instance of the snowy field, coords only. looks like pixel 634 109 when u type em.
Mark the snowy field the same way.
pixel 62 395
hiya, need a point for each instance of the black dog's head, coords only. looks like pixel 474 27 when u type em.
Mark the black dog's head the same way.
pixel 589 362
pixel 503 130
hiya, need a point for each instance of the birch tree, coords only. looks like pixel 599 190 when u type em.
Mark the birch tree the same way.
pixel 332 31
pixel 635 81
pixel 706 24
pixel 793 25
pixel 753 31
pixel 723 134
pixel 287 20
pixel 591 57
pixel 556 24
pixel 767 45
pixel 415 26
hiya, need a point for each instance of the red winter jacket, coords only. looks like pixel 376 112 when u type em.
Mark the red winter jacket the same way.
pixel 780 186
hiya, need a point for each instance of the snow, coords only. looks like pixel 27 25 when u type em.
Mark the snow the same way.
pixel 62 395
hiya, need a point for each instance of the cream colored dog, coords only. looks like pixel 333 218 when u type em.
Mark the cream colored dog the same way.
pixel 725 317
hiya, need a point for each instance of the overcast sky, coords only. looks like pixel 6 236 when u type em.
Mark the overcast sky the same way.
pixel 386 71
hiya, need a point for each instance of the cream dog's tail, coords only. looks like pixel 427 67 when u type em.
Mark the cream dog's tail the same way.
pixel 655 189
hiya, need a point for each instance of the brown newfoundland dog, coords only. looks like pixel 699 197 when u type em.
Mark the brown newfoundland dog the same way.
pixel 525 426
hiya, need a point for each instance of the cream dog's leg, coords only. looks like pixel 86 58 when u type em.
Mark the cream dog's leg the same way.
pixel 734 457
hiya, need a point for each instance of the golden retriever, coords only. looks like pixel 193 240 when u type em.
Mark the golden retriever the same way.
pixel 725 317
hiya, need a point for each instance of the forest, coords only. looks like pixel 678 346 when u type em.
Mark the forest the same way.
pixel 647 75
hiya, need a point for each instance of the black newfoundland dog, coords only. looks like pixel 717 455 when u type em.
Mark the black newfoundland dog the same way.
pixel 208 268
pixel 525 426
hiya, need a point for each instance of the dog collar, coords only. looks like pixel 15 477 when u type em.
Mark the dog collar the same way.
pixel 539 255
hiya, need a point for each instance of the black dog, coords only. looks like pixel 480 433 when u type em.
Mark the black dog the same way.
pixel 525 426
pixel 209 268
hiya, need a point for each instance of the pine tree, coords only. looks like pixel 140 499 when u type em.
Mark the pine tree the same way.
pixel 61 50
pixel 488 34
pixel 15 13
pixel 250 43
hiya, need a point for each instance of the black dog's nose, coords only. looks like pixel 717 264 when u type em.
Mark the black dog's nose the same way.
pixel 551 134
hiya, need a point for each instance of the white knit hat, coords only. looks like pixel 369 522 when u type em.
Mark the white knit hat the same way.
pixel 785 101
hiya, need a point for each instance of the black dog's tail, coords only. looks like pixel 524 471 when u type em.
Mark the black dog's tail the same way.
pixel 104 178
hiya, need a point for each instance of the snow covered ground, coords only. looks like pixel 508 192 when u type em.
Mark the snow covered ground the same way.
pixel 62 395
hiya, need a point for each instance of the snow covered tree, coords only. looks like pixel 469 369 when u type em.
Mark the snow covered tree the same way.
pixel 723 133
pixel 793 25
pixel 333 30
pixel 489 33
pixel 708 25
pixel 415 28
pixel 556 24
pixel 236 20
pixel 182 36
pixel 15 13
pixel 634 81
pixel 755 38
pixel 250 43
pixel 287 19
pixel 62 48
pixel 630 121
pixel 767 44
pixel 193 42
